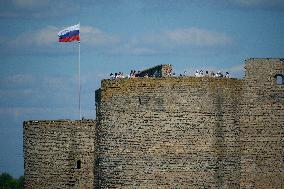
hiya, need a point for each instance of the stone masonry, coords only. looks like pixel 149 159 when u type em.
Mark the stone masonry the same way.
pixel 262 125
pixel 59 154
pixel 168 132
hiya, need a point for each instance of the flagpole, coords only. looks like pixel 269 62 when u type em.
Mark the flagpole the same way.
pixel 79 63
pixel 79 78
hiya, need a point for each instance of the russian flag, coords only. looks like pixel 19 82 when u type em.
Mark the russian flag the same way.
pixel 70 34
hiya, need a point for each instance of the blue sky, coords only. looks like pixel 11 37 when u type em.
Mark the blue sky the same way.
pixel 38 75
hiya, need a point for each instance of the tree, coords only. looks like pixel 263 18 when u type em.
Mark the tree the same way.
pixel 8 182
pixel 21 182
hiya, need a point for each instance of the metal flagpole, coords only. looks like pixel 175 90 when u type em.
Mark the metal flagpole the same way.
pixel 79 66
pixel 79 77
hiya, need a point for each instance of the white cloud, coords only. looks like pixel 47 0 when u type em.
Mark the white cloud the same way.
pixel 134 49
pixel 169 41
pixel 197 37
pixel 96 37
pixel 30 3
pixel 182 39
pixel 42 37
pixel 38 9
pixel 258 3
pixel 166 6
pixel 141 51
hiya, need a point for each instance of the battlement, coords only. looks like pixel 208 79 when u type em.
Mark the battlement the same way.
pixel 55 122
pixel 266 59
pixel 110 87
pixel 162 70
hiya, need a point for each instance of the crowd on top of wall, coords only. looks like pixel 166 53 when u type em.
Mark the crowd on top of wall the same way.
pixel 212 74
pixel 120 75
pixel 135 74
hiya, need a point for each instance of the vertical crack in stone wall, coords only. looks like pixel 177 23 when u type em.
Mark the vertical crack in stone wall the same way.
pixel 227 136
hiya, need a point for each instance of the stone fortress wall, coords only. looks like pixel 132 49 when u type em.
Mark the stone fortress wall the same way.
pixel 59 154
pixel 168 132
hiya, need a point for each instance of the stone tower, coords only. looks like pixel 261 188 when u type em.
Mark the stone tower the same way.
pixel 169 132
pixel 59 154
pixel 262 124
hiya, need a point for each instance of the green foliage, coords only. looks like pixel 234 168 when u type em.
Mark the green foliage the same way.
pixel 8 182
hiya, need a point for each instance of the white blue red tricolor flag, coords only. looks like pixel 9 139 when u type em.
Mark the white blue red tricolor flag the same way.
pixel 70 34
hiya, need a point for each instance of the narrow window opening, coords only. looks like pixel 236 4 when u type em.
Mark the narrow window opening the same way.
pixel 279 79
pixel 79 164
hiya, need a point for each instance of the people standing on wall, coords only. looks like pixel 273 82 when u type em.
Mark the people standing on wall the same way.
pixel 206 73
pixel 111 76
pixel 219 74
pixel 227 75
pixel 196 73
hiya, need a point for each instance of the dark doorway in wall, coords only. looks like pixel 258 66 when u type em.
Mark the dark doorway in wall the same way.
pixel 78 164
pixel 279 79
